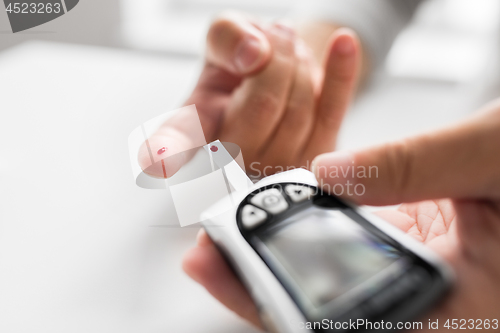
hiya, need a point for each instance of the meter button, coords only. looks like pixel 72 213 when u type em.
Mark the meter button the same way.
pixel 271 200
pixel 252 217
pixel 299 193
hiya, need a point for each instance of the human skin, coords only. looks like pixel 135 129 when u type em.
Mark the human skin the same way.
pixel 449 182
pixel 273 100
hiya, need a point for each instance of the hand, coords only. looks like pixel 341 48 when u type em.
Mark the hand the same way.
pixel 262 89
pixel 460 164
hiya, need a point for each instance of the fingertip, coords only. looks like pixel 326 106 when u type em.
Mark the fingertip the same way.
pixel 148 162
pixel 332 167
pixel 343 61
pixel 345 42
pixel 190 263
pixel 336 174
pixel 202 238
pixel 206 266
pixel 159 155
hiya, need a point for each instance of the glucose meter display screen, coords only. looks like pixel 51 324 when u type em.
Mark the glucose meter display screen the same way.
pixel 326 254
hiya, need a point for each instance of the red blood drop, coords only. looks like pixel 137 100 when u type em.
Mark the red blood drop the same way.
pixel 214 148
pixel 162 150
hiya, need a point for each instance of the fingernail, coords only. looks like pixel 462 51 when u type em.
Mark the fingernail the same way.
pixel 198 235
pixel 248 54
pixel 333 167
pixel 344 45
pixel 201 240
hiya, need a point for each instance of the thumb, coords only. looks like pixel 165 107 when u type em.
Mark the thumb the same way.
pixel 460 162
pixel 237 45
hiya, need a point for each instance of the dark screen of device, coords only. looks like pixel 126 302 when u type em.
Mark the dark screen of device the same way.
pixel 326 254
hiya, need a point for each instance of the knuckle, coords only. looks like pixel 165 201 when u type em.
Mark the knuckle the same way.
pixel 285 55
pixel 400 161
pixel 331 120
pixel 298 112
pixel 264 106
pixel 284 49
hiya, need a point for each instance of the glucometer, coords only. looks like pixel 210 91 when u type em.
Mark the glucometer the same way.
pixel 311 261
pixel 315 263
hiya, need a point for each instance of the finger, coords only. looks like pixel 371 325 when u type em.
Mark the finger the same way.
pixel 287 140
pixel 230 42
pixel 237 45
pixel 257 105
pixel 156 150
pixel 341 73
pixel 202 239
pixel 205 265
pixel 459 162
pixel 159 156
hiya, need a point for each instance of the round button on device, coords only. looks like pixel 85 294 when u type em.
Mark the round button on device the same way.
pixel 271 200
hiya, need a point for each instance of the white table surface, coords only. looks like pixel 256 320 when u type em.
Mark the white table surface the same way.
pixel 78 252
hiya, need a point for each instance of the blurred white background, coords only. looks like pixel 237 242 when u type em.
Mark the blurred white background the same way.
pixel 81 247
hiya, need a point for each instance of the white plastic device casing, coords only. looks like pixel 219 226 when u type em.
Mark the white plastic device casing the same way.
pixel 278 311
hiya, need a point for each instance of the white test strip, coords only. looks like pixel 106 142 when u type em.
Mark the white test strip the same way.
pixel 235 176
